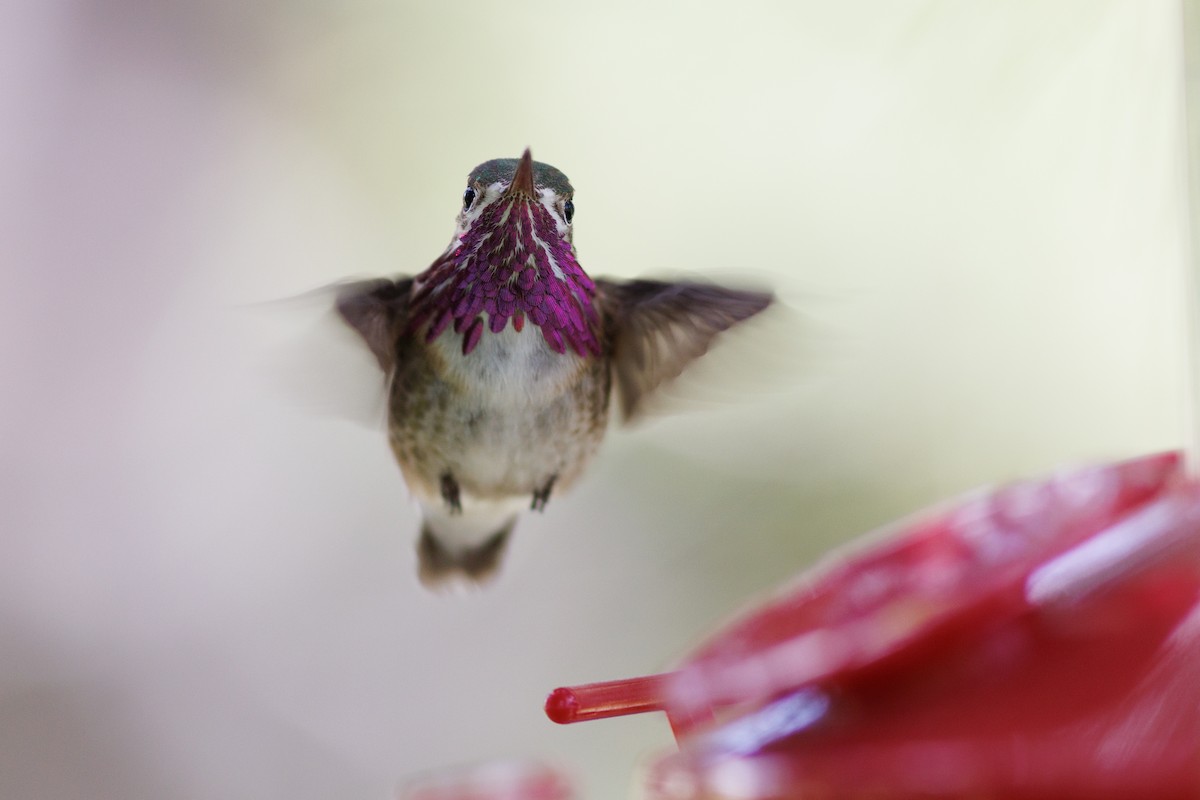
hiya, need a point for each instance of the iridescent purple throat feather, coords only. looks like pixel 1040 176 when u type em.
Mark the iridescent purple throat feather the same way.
pixel 504 267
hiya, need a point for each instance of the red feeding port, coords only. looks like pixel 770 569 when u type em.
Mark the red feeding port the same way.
pixel 619 699
pixel 611 699
pixel 1038 641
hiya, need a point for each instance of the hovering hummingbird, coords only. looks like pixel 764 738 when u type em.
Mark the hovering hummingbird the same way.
pixel 502 355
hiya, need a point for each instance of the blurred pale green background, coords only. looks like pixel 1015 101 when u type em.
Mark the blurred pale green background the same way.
pixel 973 211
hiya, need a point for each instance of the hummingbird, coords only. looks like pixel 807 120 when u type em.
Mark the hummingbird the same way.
pixel 502 357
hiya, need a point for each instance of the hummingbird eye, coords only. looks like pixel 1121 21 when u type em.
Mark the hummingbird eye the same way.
pixel 468 198
pixel 569 210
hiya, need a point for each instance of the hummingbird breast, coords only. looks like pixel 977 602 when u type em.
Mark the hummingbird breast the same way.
pixel 503 420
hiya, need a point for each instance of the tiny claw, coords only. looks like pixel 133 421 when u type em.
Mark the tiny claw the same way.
pixel 451 493
pixel 542 495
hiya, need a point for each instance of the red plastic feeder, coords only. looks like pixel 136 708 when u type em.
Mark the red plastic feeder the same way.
pixel 1038 641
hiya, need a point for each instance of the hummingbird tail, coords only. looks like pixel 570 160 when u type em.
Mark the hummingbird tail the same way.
pixel 438 561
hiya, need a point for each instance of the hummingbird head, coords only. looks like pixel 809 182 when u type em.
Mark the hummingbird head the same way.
pixel 511 259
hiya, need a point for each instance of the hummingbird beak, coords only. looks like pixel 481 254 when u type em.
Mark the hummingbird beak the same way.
pixel 522 182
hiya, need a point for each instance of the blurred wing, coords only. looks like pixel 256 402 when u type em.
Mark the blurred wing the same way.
pixel 656 329
pixel 378 311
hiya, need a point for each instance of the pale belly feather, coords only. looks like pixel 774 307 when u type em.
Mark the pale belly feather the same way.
pixel 503 421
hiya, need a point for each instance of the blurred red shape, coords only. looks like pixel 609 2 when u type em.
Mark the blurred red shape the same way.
pixel 1039 641
pixel 915 587
pixel 497 780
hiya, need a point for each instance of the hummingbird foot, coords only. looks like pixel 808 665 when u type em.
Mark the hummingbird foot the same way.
pixel 542 495
pixel 451 493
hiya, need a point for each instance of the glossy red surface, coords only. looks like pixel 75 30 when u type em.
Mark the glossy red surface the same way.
pixel 1101 700
pixel 1041 641
pixel 499 780
pixel 946 574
